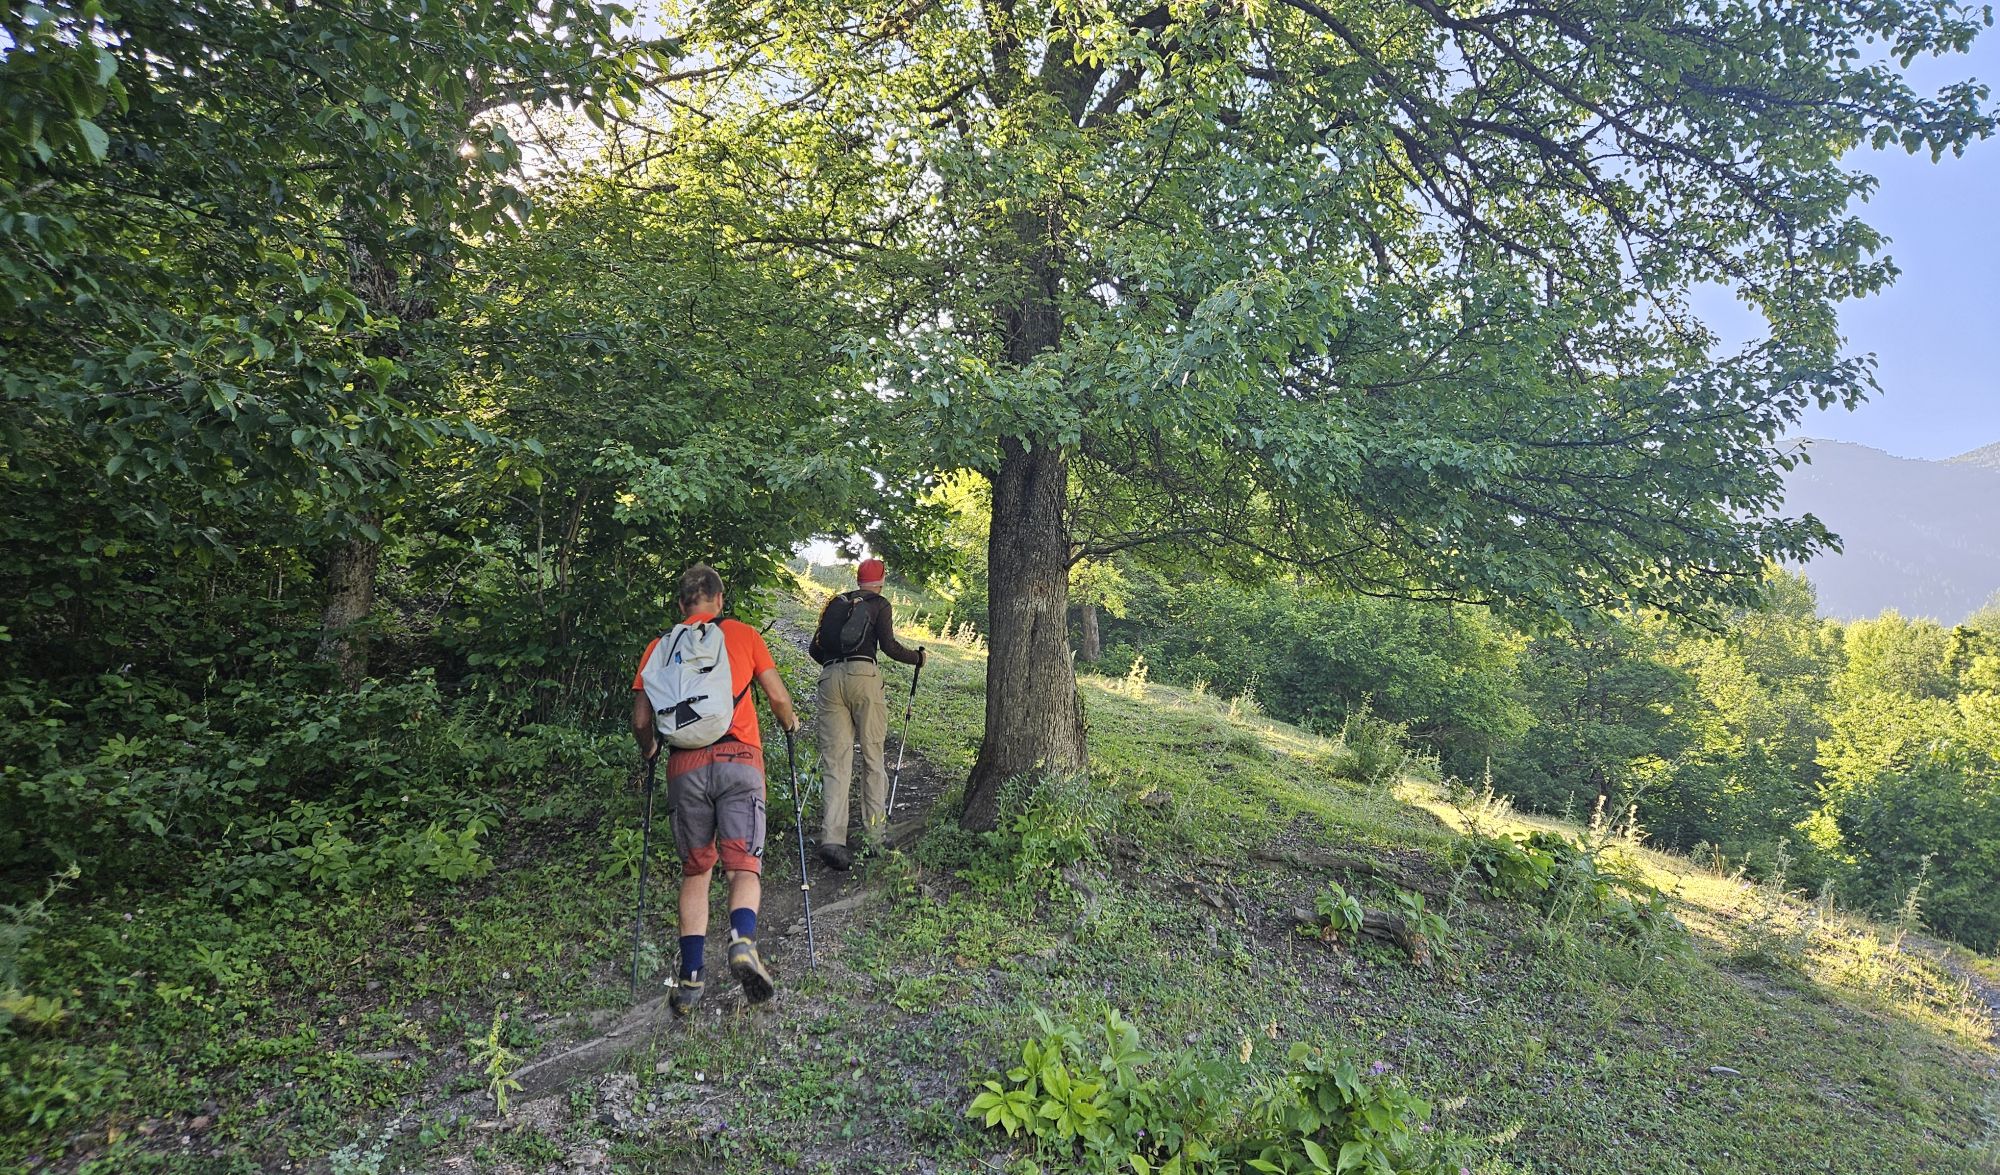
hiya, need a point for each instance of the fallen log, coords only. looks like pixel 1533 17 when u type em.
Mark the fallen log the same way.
pixel 1352 865
pixel 1380 925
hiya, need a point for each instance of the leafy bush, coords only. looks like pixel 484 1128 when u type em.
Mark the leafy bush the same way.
pixel 257 791
pixel 18 924
pixel 1057 820
pixel 1565 877
pixel 1311 657
pixel 1375 748
pixel 1425 924
pixel 1099 1102
pixel 1341 909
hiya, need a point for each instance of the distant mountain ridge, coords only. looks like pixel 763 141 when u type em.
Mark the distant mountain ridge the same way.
pixel 1988 457
pixel 1922 537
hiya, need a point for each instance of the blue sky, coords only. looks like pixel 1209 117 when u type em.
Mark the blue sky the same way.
pixel 1936 332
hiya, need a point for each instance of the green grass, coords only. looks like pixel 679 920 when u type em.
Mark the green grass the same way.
pixel 1544 1042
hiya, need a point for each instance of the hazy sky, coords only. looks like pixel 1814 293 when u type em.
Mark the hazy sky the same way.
pixel 1936 332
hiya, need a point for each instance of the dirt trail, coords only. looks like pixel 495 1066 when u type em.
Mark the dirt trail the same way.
pixel 837 898
pixel 781 922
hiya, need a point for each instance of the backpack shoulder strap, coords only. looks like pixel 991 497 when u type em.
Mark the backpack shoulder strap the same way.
pixel 667 652
pixel 747 682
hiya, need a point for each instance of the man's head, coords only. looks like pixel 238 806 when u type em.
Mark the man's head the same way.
pixel 870 575
pixel 701 591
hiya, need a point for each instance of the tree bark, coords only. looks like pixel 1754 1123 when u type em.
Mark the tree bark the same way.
pixel 1092 644
pixel 350 573
pixel 1034 719
pixel 350 596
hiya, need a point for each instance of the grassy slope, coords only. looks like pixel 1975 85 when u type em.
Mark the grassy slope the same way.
pixel 1559 1050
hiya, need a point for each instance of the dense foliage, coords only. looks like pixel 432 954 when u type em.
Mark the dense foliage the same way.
pixel 368 371
pixel 1862 753
pixel 287 385
pixel 1394 293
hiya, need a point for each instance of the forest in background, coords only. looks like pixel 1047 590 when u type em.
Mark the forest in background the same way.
pixel 1860 759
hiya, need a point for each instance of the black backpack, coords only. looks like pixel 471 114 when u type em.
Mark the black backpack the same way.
pixel 843 627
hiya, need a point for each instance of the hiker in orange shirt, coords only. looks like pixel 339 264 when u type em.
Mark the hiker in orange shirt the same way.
pixel 716 792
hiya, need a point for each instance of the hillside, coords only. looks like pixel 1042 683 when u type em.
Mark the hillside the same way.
pixel 1575 1035
pixel 1917 536
pixel 1985 457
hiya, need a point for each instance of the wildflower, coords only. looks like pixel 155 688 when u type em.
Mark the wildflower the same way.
pixel 1379 1068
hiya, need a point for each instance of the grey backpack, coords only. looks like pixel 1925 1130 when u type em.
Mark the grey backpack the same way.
pixel 687 683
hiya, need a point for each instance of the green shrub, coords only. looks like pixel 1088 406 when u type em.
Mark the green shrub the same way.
pixel 1057 820
pixel 1099 1102
pixel 255 791
pixel 19 924
pixel 1341 909
pixel 1565 877
pixel 1376 749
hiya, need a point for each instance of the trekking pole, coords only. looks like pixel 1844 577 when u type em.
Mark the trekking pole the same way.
pixel 799 825
pixel 904 743
pixel 645 850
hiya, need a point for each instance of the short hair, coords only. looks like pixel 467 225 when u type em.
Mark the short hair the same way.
pixel 699 583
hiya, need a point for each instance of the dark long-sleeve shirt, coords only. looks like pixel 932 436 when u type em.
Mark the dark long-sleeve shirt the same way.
pixel 881 634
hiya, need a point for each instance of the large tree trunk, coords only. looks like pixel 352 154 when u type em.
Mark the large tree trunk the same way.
pixel 1093 644
pixel 1034 719
pixel 350 596
pixel 350 572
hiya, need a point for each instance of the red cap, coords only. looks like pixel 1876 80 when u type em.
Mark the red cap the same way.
pixel 870 572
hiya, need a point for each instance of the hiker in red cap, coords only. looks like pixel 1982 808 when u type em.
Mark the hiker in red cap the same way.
pixel 854 628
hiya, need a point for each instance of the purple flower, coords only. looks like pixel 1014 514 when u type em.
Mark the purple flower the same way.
pixel 1379 1068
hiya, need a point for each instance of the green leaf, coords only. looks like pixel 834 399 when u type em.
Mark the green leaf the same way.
pixel 95 140
pixel 1316 1153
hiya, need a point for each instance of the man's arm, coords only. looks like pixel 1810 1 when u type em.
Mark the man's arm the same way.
pixel 779 697
pixel 885 634
pixel 644 732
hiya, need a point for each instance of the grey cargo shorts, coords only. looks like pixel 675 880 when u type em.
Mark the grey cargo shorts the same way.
pixel 717 796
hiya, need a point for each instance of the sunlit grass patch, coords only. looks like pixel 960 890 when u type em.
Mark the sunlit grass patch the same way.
pixel 1751 923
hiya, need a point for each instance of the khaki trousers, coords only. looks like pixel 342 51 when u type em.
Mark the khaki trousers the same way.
pixel 850 701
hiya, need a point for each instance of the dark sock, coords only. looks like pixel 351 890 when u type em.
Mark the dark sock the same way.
pixel 691 947
pixel 744 922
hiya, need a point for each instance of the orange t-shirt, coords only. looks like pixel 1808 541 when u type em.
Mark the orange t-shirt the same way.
pixel 748 656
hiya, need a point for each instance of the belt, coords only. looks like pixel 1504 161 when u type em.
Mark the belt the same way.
pixel 844 660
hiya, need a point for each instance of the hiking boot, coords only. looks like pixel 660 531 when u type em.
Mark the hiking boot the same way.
pixel 685 995
pixel 748 968
pixel 836 857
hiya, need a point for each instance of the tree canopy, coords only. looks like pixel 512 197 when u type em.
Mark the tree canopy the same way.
pixel 1397 293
